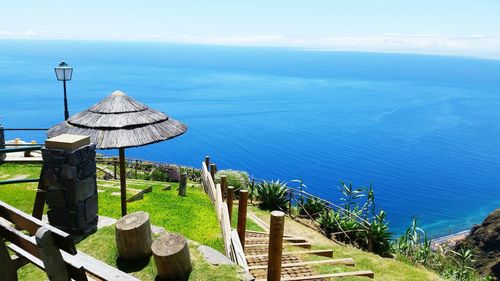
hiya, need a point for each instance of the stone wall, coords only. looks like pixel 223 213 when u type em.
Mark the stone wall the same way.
pixel 71 189
pixel 2 144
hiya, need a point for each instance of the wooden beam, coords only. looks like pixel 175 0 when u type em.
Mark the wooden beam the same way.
pixel 26 222
pixel 365 273
pixel 346 261
pixel 8 270
pixel 322 253
pixel 39 203
pixel 51 256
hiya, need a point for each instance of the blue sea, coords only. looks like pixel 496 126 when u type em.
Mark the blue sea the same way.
pixel 424 130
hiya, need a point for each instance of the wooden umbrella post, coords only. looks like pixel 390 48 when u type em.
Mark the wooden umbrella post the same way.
pixel 123 182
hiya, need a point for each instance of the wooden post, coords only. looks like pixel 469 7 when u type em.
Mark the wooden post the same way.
pixel 242 216
pixel 8 270
pixel 123 182
pixel 183 184
pixel 229 201
pixel 213 170
pixel 290 197
pixel 207 161
pixel 275 246
pixel 39 197
pixel 133 236
pixel 223 185
pixel 53 262
pixel 114 164
pixel 136 164
pixel 252 190
pixel 171 255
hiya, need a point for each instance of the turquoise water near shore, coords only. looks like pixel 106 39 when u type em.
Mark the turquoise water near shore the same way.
pixel 424 130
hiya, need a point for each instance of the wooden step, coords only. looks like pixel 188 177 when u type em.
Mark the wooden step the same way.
pixel 365 273
pixel 322 253
pixel 302 245
pixel 287 239
pixel 346 261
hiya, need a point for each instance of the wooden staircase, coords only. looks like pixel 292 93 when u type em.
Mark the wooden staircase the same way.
pixel 294 266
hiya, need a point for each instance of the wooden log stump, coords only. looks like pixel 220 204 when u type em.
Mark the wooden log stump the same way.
pixel 133 236
pixel 171 254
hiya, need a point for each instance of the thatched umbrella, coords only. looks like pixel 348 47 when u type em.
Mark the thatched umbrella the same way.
pixel 119 121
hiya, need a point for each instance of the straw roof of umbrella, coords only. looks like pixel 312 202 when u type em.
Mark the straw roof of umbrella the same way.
pixel 119 121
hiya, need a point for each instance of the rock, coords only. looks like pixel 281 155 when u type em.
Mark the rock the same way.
pixel 167 187
pixel 484 238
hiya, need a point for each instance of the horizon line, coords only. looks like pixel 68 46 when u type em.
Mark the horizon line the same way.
pixel 360 49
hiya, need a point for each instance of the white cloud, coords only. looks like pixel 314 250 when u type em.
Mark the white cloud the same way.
pixel 473 45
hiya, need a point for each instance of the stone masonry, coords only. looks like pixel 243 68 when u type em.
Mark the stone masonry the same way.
pixel 2 144
pixel 71 189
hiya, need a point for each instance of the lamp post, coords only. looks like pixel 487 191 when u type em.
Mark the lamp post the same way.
pixel 64 73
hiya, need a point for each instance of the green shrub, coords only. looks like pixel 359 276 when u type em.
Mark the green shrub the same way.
pixel 237 179
pixel 272 195
pixel 193 174
pixel 167 173
pixel 312 207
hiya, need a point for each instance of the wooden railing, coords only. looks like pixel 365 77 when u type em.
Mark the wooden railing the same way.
pixel 232 244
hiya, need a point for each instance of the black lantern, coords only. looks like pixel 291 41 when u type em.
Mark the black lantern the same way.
pixel 64 73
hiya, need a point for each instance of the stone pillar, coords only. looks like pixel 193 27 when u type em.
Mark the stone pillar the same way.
pixel 2 144
pixel 70 181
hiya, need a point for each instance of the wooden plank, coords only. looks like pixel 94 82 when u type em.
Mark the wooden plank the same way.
pixel 21 149
pixel 287 239
pixel 18 181
pixel 322 253
pixel 22 253
pixel 226 229
pixel 302 245
pixel 238 250
pixel 31 224
pixel 346 261
pixel 97 267
pixel 20 239
pixel 28 245
pixel 365 273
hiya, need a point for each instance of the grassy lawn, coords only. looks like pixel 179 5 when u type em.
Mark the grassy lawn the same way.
pixel 192 216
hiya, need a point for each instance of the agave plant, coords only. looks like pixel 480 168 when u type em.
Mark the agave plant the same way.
pixel 378 236
pixel 328 221
pixel 272 195
pixel 350 195
pixel 312 207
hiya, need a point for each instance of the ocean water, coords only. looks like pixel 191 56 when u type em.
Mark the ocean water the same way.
pixel 424 130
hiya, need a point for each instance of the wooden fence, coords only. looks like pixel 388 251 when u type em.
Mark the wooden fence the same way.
pixel 232 243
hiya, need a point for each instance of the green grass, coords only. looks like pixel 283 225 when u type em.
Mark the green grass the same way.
pixel 251 225
pixel 192 216
pixel 101 245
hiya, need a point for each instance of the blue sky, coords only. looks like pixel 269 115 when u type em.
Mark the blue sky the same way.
pixel 439 26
